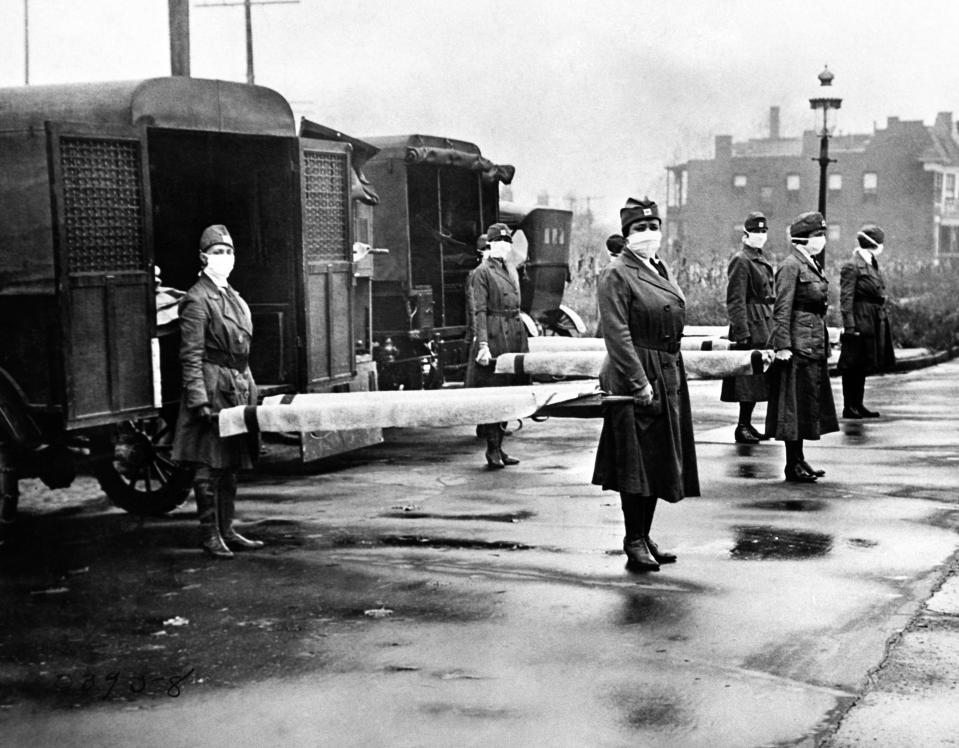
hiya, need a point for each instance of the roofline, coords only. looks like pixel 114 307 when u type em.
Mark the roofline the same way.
pixel 174 102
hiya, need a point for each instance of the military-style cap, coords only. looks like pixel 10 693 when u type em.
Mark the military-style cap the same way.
pixel 637 210
pixel 615 244
pixel 216 234
pixel 499 232
pixel 755 220
pixel 806 224
pixel 870 236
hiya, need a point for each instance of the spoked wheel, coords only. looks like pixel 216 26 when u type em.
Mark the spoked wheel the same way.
pixel 140 475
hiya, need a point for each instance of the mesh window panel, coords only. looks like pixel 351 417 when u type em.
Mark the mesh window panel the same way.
pixel 103 204
pixel 324 211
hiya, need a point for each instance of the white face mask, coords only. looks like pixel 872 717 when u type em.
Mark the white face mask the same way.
pixel 499 250
pixel 877 250
pixel 815 244
pixel 645 244
pixel 220 266
pixel 757 240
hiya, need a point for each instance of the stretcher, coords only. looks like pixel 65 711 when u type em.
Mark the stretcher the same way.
pixel 560 343
pixel 339 411
pixel 345 411
pixel 569 364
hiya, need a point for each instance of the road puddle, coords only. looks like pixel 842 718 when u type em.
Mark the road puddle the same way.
pixel 490 517
pixel 766 543
pixel 423 541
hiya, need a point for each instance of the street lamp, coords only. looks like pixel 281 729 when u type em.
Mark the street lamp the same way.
pixel 826 100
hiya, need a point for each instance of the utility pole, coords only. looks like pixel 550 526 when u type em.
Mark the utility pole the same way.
pixel 248 13
pixel 26 42
pixel 180 37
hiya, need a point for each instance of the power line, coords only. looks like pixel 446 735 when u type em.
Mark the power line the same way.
pixel 247 7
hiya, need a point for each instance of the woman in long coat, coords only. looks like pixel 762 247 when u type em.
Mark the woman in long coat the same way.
pixel 866 338
pixel 215 334
pixel 800 396
pixel 494 295
pixel 749 305
pixel 646 450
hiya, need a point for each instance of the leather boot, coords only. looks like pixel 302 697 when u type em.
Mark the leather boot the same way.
pixel 507 460
pixel 205 490
pixel 226 515
pixel 494 438
pixel 661 556
pixel 795 470
pixel 638 556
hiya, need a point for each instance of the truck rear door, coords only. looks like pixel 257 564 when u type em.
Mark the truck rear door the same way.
pixel 104 261
pixel 327 261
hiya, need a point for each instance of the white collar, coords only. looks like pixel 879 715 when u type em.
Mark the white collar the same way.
pixel 218 282
pixel 804 252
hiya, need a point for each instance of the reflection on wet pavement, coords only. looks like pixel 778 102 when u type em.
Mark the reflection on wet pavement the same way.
pixel 788 505
pixel 643 607
pixel 853 432
pixel 763 542
pixel 750 470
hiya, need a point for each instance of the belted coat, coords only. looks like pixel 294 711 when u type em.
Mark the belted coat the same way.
pixel 216 330
pixel 800 397
pixel 749 306
pixel 862 299
pixel 494 293
pixel 644 451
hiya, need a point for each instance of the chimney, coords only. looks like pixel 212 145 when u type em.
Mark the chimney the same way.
pixel 774 123
pixel 944 122
pixel 724 147
pixel 179 37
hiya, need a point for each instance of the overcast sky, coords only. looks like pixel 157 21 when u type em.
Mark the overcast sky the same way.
pixel 592 97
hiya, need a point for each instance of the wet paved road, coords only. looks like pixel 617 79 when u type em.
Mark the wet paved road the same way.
pixel 411 598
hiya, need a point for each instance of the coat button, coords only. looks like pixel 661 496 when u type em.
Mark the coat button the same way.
pixel 667 337
pixel 666 308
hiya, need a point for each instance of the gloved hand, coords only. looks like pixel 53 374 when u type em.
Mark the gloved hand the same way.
pixel 644 395
pixel 204 413
pixel 483 357
pixel 784 355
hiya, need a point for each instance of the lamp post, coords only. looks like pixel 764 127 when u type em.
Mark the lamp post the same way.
pixel 826 100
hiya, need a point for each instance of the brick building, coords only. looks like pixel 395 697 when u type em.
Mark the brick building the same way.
pixel 904 177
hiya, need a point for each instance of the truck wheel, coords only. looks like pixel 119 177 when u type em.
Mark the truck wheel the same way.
pixel 140 475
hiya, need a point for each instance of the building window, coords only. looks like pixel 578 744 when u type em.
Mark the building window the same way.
pixel 937 185
pixel 677 189
pixel 950 187
pixel 870 182
pixel 835 182
pixel 766 194
pixel 739 181
pixel 834 234
pixel 792 187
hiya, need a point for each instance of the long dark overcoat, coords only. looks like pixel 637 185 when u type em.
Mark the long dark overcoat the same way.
pixel 215 334
pixel 650 452
pixel 800 396
pixel 495 297
pixel 749 306
pixel 862 299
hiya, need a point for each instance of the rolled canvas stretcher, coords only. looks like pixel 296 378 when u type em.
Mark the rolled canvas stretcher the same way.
pixel 406 408
pixel 560 343
pixel 579 363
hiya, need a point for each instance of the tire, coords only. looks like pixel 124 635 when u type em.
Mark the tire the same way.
pixel 140 476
